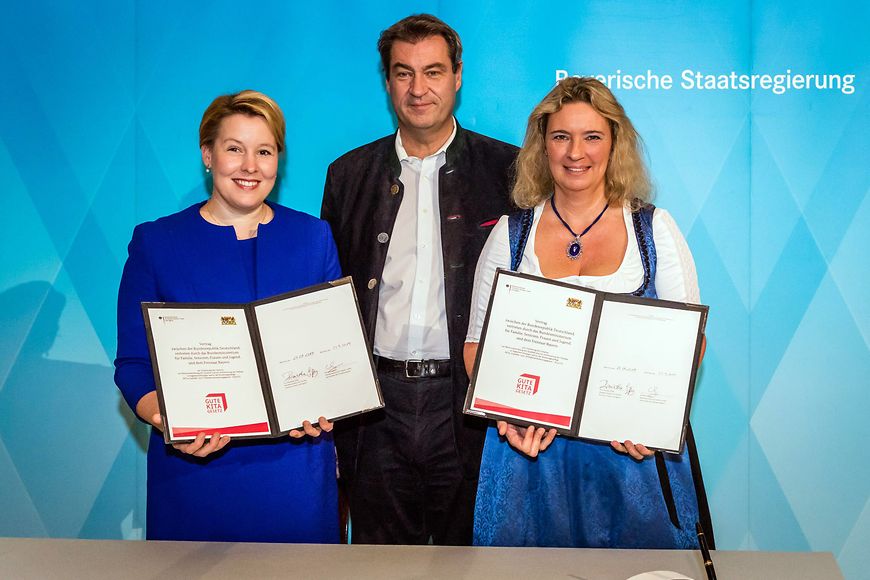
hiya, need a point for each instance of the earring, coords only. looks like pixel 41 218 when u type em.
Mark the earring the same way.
pixel 207 169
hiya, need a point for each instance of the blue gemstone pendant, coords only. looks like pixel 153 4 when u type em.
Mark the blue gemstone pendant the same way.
pixel 575 249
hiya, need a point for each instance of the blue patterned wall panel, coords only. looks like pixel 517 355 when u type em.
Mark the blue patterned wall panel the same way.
pixel 809 317
pixel 68 105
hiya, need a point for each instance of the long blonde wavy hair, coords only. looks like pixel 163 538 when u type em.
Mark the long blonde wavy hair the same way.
pixel 626 181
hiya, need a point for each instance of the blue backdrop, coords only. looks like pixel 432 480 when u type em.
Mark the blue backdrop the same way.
pixel 98 131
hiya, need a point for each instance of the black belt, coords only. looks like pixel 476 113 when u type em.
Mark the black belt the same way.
pixel 416 369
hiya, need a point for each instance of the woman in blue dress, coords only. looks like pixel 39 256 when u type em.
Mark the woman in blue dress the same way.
pixel 587 220
pixel 235 247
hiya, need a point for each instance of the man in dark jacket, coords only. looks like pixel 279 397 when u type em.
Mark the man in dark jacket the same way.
pixel 410 214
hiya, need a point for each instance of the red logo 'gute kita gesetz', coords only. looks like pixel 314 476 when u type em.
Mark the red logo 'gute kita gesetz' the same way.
pixel 215 403
pixel 528 384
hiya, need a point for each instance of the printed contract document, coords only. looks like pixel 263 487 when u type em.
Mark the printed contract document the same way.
pixel 260 369
pixel 590 364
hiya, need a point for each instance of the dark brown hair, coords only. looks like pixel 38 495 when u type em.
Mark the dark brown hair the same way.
pixel 415 28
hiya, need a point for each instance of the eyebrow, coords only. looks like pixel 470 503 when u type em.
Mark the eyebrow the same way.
pixel 240 143
pixel 590 132
pixel 428 67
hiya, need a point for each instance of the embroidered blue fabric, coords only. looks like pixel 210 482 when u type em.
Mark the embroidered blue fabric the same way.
pixel 580 493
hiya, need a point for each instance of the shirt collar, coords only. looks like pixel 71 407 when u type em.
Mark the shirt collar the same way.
pixel 403 155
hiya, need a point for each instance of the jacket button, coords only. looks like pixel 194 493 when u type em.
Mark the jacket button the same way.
pixel 372 283
pixel 383 237
pixel 394 189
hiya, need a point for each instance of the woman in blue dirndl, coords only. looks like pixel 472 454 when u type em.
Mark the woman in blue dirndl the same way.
pixel 587 220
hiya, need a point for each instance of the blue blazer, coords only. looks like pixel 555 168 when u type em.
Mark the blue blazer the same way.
pixel 266 490
pixel 183 258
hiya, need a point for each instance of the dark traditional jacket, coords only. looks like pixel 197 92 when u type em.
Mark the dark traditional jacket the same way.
pixel 360 201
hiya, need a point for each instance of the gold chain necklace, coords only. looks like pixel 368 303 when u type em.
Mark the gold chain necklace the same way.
pixel 253 232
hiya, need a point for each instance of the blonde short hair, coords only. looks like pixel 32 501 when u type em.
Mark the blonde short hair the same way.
pixel 626 181
pixel 249 103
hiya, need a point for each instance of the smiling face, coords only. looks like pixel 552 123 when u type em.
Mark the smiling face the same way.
pixel 422 87
pixel 243 161
pixel 578 144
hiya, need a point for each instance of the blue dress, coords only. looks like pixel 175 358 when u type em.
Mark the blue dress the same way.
pixel 581 493
pixel 276 490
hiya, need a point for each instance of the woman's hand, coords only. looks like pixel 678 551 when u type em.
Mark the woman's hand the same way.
pixel 202 447
pixel 636 450
pixel 312 430
pixel 528 440
pixel 149 410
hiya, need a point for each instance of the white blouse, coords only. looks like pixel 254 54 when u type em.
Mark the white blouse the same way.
pixel 676 278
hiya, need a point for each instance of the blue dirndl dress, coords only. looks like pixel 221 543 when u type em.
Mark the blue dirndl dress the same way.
pixel 584 494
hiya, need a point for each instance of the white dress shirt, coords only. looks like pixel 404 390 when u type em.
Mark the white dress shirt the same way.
pixel 412 311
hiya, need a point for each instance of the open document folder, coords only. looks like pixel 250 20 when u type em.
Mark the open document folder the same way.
pixel 261 369
pixel 590 364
